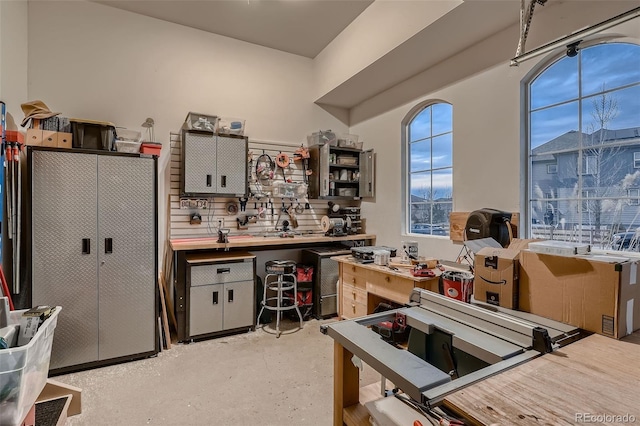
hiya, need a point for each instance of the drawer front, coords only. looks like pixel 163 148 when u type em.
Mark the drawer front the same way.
pixel 221 273
pixel 356 280
pixel 389 287
pixel 352 309
pixel 354 294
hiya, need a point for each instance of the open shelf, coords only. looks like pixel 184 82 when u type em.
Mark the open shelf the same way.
pixel 344 166
pixel 344 149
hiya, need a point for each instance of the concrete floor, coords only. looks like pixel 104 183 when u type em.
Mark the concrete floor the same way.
pixel 245 379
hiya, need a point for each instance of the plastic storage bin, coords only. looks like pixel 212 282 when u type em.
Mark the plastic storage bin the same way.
pixel 347 141
pixel 322 137
pixel 203 122
pixel 231 126
pixel 128 146
pixel 152 148
pixel 89 134
pixel 24 370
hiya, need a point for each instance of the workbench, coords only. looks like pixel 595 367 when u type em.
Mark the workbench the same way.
pixel 364 285
pixel 184 247
pixel 596 376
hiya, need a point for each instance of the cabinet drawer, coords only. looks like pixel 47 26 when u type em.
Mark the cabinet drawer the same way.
pixel 353 309
pixel 359 281
pixel 354 294
pixel 390 287
pixel 221 273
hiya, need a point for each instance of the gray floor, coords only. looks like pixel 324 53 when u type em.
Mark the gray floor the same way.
pixel 245 379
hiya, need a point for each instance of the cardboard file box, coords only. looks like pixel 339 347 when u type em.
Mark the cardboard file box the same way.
pixel 496 276
pixel 597 293
pixel 37 137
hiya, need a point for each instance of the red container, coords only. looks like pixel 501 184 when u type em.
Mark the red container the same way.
pixel 152 148
pixel 458 285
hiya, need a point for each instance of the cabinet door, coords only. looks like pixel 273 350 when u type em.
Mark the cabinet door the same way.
pixel 238 304
pixel 231 166
pixel 367 174
pixel 64 250
pixel 126 254
pixel 199 163
pixel 205 309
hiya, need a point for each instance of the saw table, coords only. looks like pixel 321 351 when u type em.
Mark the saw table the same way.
pixel 452 345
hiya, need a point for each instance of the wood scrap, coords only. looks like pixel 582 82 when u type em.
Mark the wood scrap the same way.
pixel 163 314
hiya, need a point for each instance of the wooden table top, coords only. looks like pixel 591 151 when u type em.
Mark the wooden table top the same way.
pixel 596 376
pixel 253 241
pixel 402 272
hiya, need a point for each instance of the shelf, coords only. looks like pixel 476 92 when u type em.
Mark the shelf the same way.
pixel 344 149
pixel 344 166
pixel 338 197
pixel 354 182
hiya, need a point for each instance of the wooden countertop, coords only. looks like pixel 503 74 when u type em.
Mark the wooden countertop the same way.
pixel 252 241
pixel 596 375
pixel 402 272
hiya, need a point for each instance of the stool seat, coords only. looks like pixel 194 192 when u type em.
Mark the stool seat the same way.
pixel 281 279
pixel 280 267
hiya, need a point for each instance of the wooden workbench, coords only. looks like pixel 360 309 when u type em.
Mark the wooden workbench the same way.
pixel 595 376
pixel 362 286
pixel 206 246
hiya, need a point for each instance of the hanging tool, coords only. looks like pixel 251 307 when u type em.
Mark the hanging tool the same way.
pixel 243 203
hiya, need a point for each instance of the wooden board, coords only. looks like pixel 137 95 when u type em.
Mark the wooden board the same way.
pixel 211 243
pixel 458 221
pixel 596 375
pixel 163 315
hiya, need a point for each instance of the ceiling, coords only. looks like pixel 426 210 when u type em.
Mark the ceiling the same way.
pixel 301 27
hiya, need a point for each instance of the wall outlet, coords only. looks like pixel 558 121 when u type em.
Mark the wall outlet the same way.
pixel 219 222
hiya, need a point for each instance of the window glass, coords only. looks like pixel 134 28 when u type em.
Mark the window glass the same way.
pixel 584 146
pixel 430 171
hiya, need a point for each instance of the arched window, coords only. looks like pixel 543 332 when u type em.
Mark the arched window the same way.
pixel 583 122
pixel 429 168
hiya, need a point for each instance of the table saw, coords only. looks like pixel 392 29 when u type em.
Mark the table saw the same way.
pixel 451 345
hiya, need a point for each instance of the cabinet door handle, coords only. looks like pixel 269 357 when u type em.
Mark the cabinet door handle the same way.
pixel 230 295
pixel 215 297
pixel 108 245
pixel 209 181
pixel 86 246
pixel 369 186
pixel 223 181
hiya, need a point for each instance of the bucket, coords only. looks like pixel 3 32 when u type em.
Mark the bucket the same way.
pixel 409 250
pixel 457 285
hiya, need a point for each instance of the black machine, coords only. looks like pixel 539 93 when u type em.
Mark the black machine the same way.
pixel 486 223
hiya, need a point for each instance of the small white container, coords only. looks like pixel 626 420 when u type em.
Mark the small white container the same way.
pixel 381 257
pixel 128 146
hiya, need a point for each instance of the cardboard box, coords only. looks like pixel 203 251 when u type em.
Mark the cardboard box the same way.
pixel 597 293
pixel 496 276
pixel 37 137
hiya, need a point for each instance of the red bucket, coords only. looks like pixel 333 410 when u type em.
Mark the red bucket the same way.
pixel 458 285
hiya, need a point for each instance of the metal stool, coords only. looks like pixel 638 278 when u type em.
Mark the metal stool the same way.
pixel 277 271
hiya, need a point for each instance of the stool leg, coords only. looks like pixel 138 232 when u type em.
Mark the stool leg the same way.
pixel 295 298
pixel 264 299
pixel 278 304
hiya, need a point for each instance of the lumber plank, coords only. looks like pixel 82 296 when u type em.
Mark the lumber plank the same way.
pixel 163 314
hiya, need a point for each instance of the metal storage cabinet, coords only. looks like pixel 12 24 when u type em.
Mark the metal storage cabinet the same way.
pixel 326 273
pixel 213 164
pixel 93 251
pixel 221 293
pixel 322 161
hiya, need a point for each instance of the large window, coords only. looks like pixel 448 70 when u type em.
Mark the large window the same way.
pixel 584 117
pixel 430 170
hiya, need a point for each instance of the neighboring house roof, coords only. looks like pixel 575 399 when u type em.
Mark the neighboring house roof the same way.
pixel 570 140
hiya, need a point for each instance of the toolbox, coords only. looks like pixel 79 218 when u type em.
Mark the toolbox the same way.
pixel 366 254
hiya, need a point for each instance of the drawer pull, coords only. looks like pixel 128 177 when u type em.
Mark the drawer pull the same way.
pixel 354 280
pixel 354 295
pixel 353 307
pixel 353 268
pixel 387 279
pixel 224 270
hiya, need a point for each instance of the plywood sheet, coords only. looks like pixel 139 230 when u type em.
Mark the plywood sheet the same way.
pixel 594 376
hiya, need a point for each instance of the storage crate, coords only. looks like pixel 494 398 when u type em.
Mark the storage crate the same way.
pixel 204 122
pixel 322 137
pixel 90 134
pixel 24 370
pixel 128 146
pixel 347 141
pixel 152 148
pixel 231 126
pixel 347 160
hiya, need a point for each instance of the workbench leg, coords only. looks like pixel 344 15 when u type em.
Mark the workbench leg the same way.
pixel 346 382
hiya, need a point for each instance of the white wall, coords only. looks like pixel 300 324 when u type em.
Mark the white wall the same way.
pixel 92 61
pixel 486 148
pixel 13 59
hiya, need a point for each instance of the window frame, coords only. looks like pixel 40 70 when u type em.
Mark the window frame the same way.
pixel 526 184
pixel 555 169
pixel 636 161
pixel 407 205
